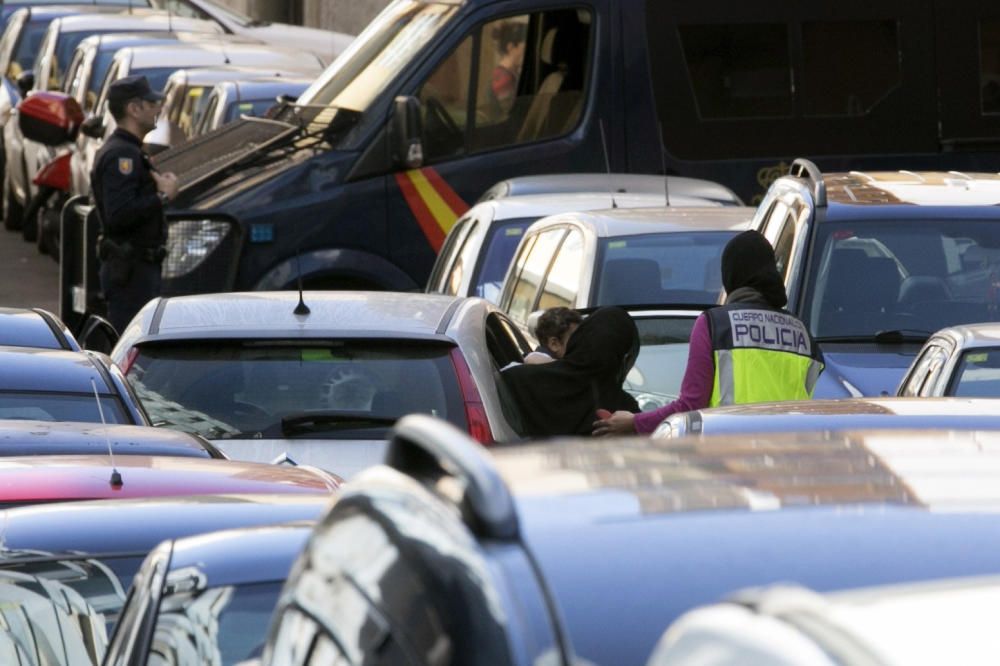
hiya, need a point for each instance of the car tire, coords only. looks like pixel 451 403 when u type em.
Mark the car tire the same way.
pixel 13 211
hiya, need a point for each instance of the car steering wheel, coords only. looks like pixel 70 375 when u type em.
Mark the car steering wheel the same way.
pixel 435 107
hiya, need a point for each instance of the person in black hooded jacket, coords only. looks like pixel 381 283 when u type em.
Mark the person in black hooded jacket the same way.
pixel 562 397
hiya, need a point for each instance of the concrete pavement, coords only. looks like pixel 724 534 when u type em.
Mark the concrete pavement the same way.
pixel 27 278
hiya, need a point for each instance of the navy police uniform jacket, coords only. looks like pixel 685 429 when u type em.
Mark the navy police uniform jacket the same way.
pixel 125 193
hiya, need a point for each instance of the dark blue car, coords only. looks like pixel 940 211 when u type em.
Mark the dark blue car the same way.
pixel 583 551
pixel 63 385
pixel 65 570
pixel 207 594
pixel 874 263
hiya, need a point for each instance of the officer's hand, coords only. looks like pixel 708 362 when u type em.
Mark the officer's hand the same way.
pixel 619 423
pixel 166 183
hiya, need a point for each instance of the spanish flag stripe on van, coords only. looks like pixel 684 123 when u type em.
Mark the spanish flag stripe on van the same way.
pixel 428 224
pixel 433 203
pixel 450 197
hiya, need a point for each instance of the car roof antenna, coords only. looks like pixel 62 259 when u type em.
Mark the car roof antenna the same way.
pixel 116 477
pixel 663 162
pixel 607 163
pixel 301 308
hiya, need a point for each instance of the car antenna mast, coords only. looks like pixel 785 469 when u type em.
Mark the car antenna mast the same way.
pixel 663 161
pixel 116 477
pixel 301 308
pixel 607 164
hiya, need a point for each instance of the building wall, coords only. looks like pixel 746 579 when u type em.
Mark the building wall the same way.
pixel 349 16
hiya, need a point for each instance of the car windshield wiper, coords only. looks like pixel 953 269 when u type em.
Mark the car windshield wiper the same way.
pixel 895 336
pixel 333 420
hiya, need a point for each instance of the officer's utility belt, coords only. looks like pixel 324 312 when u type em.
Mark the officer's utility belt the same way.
pixel 108 250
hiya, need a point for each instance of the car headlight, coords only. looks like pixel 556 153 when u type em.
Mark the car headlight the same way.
pixel 189 242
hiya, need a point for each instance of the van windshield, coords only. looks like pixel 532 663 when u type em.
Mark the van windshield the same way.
pixel 364 70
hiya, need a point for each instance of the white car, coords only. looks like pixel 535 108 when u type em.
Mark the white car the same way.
pixel 325 43
pixel 962 361
pixel 261 381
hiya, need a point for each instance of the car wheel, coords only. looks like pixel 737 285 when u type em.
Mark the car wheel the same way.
pixel 13 211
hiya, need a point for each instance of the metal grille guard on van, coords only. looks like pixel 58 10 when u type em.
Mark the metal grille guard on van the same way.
pixel 209 158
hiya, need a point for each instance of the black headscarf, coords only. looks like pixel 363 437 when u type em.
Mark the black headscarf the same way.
pixel 562 397
pixel 748 261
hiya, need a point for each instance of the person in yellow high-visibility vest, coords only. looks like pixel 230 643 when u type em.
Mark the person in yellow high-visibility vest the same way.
pixel 748 350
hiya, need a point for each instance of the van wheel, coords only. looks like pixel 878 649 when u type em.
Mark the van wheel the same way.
pixel 13 211
pixel 338 283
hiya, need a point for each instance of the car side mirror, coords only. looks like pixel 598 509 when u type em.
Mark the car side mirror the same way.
pixel 98 335
pixel 406 130
pixel 93 127
pixel 26 82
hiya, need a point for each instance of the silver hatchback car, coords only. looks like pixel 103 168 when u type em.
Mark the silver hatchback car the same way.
pixel 264 377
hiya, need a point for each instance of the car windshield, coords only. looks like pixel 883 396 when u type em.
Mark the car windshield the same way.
pixel 229 622
pixel 38 406
pixel 655 379
pixel 913 277
pixel 498 249
pixel 324 389
pixel 978 374
pixel 372 60
pixel 666 268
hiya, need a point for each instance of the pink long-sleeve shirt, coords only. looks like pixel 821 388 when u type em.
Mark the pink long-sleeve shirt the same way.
pixel 696 388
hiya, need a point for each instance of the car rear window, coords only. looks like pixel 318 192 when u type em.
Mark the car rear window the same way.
pixel 335 389
pixel 978 374
pixel 665 268
pixel 39 406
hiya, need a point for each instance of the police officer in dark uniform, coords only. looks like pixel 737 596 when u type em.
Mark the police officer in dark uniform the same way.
pixel 130 194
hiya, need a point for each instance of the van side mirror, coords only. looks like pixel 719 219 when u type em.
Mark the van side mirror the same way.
pixel 93 127
pixel 406 132
pixel 26 82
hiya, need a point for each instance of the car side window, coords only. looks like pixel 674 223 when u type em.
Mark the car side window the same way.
pixel 514 80
pixel 916 380
pixel 783 243
pixel 440 274
pixel 935 365
pixel 563 279
pixel 529 277
pixel 7 44
pixel 180 8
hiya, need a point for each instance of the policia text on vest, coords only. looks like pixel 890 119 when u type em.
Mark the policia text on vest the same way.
pixel 761 354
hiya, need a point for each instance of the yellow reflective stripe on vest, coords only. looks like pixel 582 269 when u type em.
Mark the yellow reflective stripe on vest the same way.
pixel 747 375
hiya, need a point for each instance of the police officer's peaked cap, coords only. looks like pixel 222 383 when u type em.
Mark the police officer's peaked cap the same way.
pixel 132 87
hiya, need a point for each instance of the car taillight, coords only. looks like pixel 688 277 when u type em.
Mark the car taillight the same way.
pixel 56 174
pixel 129 359
pixel 475 412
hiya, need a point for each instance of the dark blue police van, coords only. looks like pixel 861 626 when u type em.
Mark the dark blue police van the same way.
pixel 357 183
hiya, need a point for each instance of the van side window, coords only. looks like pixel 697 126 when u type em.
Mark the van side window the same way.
pixel 514 80
pixel 989 65
pixel 827 87
pixel 563 279
pixel 739 71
